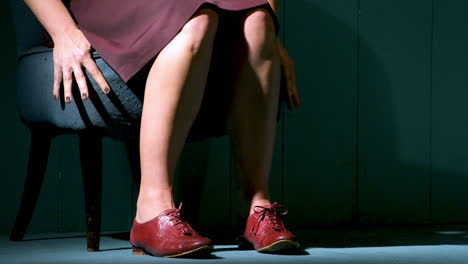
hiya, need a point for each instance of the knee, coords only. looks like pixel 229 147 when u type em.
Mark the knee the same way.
pixel 260 35
pixel 200 30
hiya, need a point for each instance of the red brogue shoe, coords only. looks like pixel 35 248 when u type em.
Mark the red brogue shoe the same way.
pixel 168 235
pixel 266 232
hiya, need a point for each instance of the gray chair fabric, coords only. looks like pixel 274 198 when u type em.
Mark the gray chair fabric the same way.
pixel 36 105
pixel 34 82
pixel 117 114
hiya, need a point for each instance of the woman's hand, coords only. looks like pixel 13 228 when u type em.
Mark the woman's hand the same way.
pixel 71 51
pixel 72 54
pixel 288 66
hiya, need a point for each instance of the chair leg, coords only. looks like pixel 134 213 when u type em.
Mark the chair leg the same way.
pixel 37 164
pixel 91 166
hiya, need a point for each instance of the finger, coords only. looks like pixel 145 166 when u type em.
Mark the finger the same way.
pixel 57 81
pixel 67 84
pixel 297 102
pixel 81 81
pixel 289 103
pixel 289 86
pixel 286 77
pixel 96 73
pixel 284 85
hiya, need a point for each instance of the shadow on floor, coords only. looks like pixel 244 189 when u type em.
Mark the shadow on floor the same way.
pixel 347 237
pixel 340 237
pixel 366 236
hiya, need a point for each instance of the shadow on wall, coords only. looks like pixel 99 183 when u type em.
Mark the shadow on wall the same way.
pixel 390 85
pixel 15 136
pixel 395 183
pixel 320 139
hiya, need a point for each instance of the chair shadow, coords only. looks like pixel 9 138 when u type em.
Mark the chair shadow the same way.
pixel 49 238
pixel 114 249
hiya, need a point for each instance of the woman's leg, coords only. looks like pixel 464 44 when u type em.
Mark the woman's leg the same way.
pixel 174 91
pixel 255 104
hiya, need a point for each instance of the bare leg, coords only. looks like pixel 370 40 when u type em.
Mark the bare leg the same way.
pixel 255 104
pixel 174 90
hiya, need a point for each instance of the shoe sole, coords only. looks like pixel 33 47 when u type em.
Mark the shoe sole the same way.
pixel 280 246
pixel 198 251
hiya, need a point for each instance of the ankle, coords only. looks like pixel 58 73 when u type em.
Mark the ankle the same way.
pixel 148 211
pixel 152 204
pixel 258 201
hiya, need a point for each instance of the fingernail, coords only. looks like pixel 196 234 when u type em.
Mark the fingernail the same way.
pixel 106 90
pixel 84 96
pixel 68 99
pixel 55 97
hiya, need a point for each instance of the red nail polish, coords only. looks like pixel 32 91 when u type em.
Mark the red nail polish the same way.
pixel 68 99
pixel 84 96
pixel 106 90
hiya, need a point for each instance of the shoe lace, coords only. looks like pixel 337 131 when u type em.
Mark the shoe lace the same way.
pixel 271 214
pixel 178 221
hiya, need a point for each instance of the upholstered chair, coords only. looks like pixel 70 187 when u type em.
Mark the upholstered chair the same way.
pixel 115 115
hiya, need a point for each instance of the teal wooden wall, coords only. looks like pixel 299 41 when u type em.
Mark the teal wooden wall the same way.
pixel 394 111
pixel 381 138
pixel 320 138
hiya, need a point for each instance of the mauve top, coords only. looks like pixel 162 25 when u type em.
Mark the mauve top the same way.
pixel 128 34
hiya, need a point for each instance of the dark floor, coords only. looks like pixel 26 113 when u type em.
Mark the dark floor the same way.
pixel 446 244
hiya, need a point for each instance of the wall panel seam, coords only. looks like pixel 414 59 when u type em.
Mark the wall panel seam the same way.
pixel 358 64
pixel 429 111
pixel 283 115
